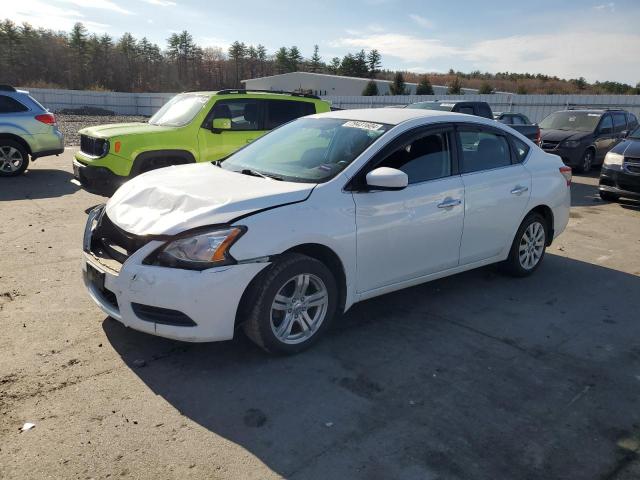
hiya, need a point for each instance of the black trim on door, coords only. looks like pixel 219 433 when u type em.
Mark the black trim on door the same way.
pixel 358 183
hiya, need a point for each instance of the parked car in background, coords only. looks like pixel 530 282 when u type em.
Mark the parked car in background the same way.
pixel 191 127
pixel 317 215
pixel 520 123
pixel 583 137
pixel 620 174
pixel 479 109
pixel 27 129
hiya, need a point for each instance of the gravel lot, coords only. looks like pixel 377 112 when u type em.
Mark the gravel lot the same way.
pixel 476 376
pixel 70 124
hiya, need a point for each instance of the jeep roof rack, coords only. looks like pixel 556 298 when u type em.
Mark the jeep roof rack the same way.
pixel 594 108
pixel 7 88
pixel 235 91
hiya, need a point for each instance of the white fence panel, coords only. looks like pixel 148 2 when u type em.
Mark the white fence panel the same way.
pixel 536 107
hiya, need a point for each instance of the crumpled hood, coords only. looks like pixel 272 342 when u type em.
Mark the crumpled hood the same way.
pixel 561 135
pixel 122 129
pixel 174 199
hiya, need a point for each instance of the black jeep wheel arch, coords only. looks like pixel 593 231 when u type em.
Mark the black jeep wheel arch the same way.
pixel 173 157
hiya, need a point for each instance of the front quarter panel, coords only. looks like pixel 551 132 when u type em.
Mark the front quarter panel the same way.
pixel 327 218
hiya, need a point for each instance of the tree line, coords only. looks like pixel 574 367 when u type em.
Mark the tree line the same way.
pixel 38 57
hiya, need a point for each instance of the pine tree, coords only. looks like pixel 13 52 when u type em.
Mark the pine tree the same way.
pixel 237 51
pixel 316 62
pixel 374 62
pixel 282 60
pixel 424 87
pixel 295 58
pixel 371 90
pixel 262 57
pixel 398 87
pixel 334 66
pixel 361 67
pixel 455 88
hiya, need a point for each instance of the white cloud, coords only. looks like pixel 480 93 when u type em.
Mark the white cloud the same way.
pixel 99 4
pixel 603 54
pixel 161 3
pixel 42 13
pixel 606 6
pixel 423 22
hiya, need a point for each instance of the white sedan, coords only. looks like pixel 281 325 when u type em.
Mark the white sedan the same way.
pixel 323 212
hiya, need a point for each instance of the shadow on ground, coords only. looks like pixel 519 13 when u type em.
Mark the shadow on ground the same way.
pixel 37 183
pixel 473 376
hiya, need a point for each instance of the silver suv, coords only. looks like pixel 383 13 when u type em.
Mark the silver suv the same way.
pixel 27 129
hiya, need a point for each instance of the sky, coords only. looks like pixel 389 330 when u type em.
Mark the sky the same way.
pixel 572 38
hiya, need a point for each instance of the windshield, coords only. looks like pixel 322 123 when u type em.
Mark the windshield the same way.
pixel 180 110
pixel 310 150
pixel 635 134
pixel 445 107
pixel 574 121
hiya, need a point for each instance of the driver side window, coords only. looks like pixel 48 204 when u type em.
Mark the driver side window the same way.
pixel 427 157
pixel 244 114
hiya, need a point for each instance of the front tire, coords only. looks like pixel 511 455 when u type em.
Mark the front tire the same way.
pixel 528 247
pixel 294 303
pixel 587 161
pixel 14 158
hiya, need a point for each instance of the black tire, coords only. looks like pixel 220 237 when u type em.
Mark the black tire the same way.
pixel 513 265
pixel 12 148
pixel 586 163
pixel 608 196
pixel 257 323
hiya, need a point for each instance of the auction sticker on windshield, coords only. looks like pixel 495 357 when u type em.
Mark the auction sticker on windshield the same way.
pixel 363 125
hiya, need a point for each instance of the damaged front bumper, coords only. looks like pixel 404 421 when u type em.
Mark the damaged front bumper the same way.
pixel 192 306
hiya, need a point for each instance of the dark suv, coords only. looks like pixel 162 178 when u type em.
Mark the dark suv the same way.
pixel 479 109
pixel 582 138
pixel 620 174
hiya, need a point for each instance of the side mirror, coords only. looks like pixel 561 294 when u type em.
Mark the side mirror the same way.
pixel 385 178
pixel 220 124
pixel 624 133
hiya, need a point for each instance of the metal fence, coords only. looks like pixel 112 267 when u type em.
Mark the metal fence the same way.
pixel 536 107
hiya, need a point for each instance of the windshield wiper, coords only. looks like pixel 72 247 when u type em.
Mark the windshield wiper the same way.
pixel 255 173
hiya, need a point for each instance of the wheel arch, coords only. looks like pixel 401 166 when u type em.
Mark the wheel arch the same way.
pixel 546 212
pixel 17 138
pixel 182 157
pixel 317 251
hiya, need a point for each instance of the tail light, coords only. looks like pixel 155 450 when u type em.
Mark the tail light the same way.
pixel 538 138
pixel 48 118
pixel 566 173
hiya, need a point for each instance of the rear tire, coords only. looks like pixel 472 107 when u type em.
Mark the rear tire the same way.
pixel 293 304
pixel 528 247
pixel 14 158
pixel 608 196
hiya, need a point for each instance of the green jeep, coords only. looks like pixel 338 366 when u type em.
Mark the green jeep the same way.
pixel 191 127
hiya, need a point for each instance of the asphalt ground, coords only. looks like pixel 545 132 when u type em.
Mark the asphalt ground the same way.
pixel 477 376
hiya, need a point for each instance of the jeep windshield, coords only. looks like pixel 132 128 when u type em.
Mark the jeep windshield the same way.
pixel 573 121
pixel 308 150
pixel 180 110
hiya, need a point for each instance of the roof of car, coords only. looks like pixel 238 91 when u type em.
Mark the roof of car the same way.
pixel 393 116
pixel 593 110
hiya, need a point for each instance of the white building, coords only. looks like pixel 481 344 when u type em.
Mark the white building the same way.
pixel 329 85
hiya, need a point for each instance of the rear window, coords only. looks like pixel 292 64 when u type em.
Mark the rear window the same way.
pixel 280 112
pixel 10 105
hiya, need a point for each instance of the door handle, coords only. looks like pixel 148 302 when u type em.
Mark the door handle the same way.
pixel 449 203
pixel 519 190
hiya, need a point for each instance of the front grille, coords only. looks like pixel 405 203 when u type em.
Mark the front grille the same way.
pixel 549 145
pixel 94 147
pixel 632 165
pixel 111 241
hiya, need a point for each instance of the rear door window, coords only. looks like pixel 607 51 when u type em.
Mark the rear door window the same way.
pixel 633 121
pixel 619 122
pixel 484 111
pixel 280 112
pixel 483 150
pixel 10 105
pixel 465 109
pixel 517 120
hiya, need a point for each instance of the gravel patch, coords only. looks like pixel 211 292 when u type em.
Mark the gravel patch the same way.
pixel 70 124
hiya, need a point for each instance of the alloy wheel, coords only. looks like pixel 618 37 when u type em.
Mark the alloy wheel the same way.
pixel 299 308
pixel 587 160
pixel 531 245
pixel 10 159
